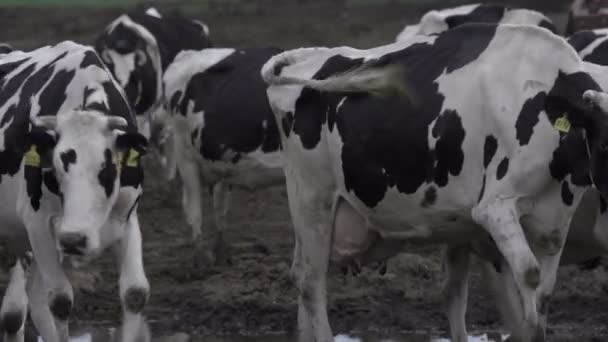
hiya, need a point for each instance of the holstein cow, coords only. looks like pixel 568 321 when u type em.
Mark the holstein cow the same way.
pixel 469 145
pixel 225 134
pixel 437 21
pixel 70 175
pixel 138 47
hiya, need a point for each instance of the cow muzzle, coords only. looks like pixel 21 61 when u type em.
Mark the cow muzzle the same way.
pixel 73 243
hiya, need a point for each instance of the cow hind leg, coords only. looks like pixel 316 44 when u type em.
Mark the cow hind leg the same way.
pixel 13 312
pixel 500 219
pixel 216 241
pixel 312 217
pixel 456 263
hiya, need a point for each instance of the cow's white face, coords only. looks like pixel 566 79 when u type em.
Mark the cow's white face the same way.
pixel 86 164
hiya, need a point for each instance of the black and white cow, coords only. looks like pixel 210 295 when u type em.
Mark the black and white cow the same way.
pixel 437 21
pixel 503 128
pixel 591 45
pixel 70 176
pixel 138 47
pixel 224 132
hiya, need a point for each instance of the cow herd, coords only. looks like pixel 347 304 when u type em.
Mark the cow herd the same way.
pixel 480 129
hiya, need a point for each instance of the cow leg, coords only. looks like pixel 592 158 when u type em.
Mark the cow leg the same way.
pixel 53 280
pixel 193 210
pixel 500 219
pixel 456 262
pixel 221 204
pixel 40 311
pixel 13 312
pixel 133 283
pixel 312 220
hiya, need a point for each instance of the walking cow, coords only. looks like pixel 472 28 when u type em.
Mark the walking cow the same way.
pixel 69 175
pixel 500 126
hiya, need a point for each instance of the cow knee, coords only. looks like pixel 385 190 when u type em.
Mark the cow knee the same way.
pixel 61 306
pixel 135 299
pixel 13 321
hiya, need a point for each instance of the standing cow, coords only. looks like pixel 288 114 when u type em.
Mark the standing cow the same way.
pixel 224 131
pixel 503 126
pixel 70 175
pixel 437 21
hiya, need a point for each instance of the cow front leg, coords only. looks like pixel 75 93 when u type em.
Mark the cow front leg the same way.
pixel 456 262
pixel 52 282
pixel 13 312
pixel 216 241
pixel 133 283
pixel 312 220
pixel 499 217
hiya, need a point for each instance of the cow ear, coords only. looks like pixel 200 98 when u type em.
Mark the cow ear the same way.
pixel 132 140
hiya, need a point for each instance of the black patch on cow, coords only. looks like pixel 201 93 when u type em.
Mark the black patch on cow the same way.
pixel 107 174
pixel 116 105
pixel 131 175
pixel 528 118
pixel 67 157
pixel 567 196
pixel 581 39
pixel 430 197
pixel 233 97
pixel 61 307
pixel 489 150
pixel 483 189
pixel 33 185
pixel 548 25
pixel 481 14
pixel 386 138
pixel 51 183
pixel 193 136
pixel 599 55
pixel 174 103
pixel 90 58
pixel 448 149
pixel 287 123
pixel 53 96
pixel 12 322
pixel 502 168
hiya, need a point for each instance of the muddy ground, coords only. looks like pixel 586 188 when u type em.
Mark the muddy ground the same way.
pixel 255 295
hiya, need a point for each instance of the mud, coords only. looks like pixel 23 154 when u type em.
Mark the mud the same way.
pixel 255 296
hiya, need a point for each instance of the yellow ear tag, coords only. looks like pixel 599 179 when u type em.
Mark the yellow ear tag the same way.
pixel 118 162
pixel 132 159
pixel 31 157
pixel 562 124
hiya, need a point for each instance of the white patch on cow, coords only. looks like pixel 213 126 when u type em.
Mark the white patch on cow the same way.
pixel 522 16
pixel 153 12
pixel 124 64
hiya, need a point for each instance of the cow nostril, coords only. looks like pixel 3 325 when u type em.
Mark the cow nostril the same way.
pixel 73 243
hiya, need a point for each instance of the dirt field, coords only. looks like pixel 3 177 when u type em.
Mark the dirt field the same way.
pixel 255 295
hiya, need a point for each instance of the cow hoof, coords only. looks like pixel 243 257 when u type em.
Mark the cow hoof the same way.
pixel 12 322
pixel 61 307
pixel 136 299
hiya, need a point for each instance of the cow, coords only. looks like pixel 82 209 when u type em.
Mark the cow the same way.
pixel 439 138
pixel 70 177
pixel 225 135
pixel 591 45
pixel 138 47
pixel 437 21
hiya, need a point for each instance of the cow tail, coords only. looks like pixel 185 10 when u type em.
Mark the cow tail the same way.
pixel 380 79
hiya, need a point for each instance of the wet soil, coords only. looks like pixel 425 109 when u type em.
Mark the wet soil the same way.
pixel 255 296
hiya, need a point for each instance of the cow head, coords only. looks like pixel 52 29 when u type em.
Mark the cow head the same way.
pixel 132 55
pixel 87 161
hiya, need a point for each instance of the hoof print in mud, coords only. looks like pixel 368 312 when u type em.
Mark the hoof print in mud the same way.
pixel 61 307
pixel 12 322
pixel 135 299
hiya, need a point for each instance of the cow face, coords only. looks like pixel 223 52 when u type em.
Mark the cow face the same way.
pixel 597 110
pixel 87 163
pixel 134 62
